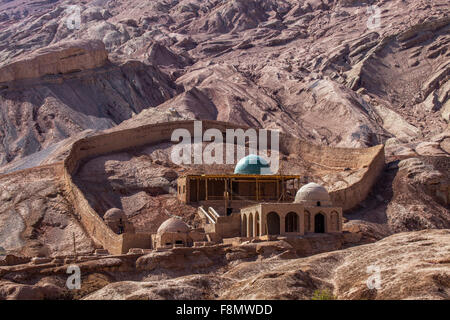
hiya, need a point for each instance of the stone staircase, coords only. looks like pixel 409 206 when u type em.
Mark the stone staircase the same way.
pixel 209 216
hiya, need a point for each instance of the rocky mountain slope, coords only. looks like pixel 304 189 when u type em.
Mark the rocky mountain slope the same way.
pixel 67 88
pixel 320 70
pixel 36 217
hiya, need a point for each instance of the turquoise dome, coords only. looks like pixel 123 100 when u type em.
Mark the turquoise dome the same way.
pixel 252 164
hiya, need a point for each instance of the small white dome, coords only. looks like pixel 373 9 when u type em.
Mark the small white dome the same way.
pixel 313 194
pixel 114 214
pixel 173 225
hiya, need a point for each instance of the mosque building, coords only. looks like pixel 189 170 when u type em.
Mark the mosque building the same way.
pixel 249 204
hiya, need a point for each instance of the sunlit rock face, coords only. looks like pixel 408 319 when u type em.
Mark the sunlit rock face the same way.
pixel 318 70
pixel 67 57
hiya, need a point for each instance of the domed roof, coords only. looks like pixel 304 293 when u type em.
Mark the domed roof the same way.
pixel 173 225
pixel 313 193
pixel 252 164
pixel 114 214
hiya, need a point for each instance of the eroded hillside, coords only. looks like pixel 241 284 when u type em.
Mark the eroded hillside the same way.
pixel 412 265
pixel 313 69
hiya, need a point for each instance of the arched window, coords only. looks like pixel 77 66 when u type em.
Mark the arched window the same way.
pixel 273 223
pixel 291 222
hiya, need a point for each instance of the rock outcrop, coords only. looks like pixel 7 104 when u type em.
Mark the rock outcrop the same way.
pixel 14 291
pixel 36 218
pixel 408 265
pixel 65 57
pixel 60 106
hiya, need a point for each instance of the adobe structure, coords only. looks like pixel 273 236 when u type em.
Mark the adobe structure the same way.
pixel 230 192
pixel 174 232
pixel 249 204
pixel 117 221
pixel 240 205
pixel 311 212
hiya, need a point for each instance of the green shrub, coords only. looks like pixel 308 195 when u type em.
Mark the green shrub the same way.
pixel 325 294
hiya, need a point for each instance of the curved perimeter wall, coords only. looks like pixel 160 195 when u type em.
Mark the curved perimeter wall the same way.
pixel 371 159
pixel 86 148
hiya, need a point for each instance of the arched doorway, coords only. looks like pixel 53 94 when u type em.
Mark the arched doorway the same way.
pixel 250 225
pixel 244 226
pixel 319 223
pixel 273 223
pixel 291 222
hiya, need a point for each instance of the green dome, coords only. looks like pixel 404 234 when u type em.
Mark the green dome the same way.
pixel 252 164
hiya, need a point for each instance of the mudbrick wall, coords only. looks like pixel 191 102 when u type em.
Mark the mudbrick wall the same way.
pixel 350 197
pixel 95 226
pixel 370 159
pixel 84 149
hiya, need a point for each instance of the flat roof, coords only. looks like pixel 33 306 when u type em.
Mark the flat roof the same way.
pixel 271 203
pixel 232 175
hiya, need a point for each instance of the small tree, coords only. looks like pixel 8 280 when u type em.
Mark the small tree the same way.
pixel 325 294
